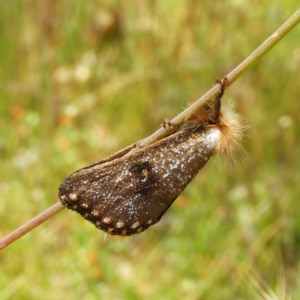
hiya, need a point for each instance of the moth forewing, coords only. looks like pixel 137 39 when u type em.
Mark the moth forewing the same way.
pixel 128 194
pixel 130 191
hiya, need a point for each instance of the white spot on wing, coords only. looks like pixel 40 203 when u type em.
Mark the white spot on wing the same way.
pixel 95 212
pixel 120 224
pixel 84 205
pixel 135 225
pixel 73 196
pixel 106 220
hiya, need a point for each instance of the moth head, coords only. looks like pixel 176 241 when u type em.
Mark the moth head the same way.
pixel 207 114
pixel 225 119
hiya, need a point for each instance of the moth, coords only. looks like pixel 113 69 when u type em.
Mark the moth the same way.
pixel 130 191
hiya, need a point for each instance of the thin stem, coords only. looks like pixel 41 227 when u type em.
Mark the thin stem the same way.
pixel 237 72
pixel 36 221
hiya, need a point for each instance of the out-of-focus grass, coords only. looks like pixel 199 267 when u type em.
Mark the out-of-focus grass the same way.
pixel 80 79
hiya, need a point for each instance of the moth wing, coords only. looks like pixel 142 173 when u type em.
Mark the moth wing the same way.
pixel 122 198
pixel 127 195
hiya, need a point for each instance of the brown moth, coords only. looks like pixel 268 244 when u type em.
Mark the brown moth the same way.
pixel 130 191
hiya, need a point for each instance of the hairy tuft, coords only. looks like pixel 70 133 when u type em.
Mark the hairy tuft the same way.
pixel 232 130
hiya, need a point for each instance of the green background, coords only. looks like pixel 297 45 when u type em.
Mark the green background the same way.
pixel 82 79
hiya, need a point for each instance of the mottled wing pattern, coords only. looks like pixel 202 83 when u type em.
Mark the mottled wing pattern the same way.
pixel 128 194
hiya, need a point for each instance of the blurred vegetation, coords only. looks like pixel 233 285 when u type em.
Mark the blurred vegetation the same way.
pixel 82 79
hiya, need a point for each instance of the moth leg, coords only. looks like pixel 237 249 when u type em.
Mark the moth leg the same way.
pixel 167 124
pixel 218 97
pixel 138 145
pixel 223 83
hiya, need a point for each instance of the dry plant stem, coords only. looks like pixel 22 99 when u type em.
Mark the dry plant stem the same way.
pixel 179 119
pixel 36 221
pixel 237 72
